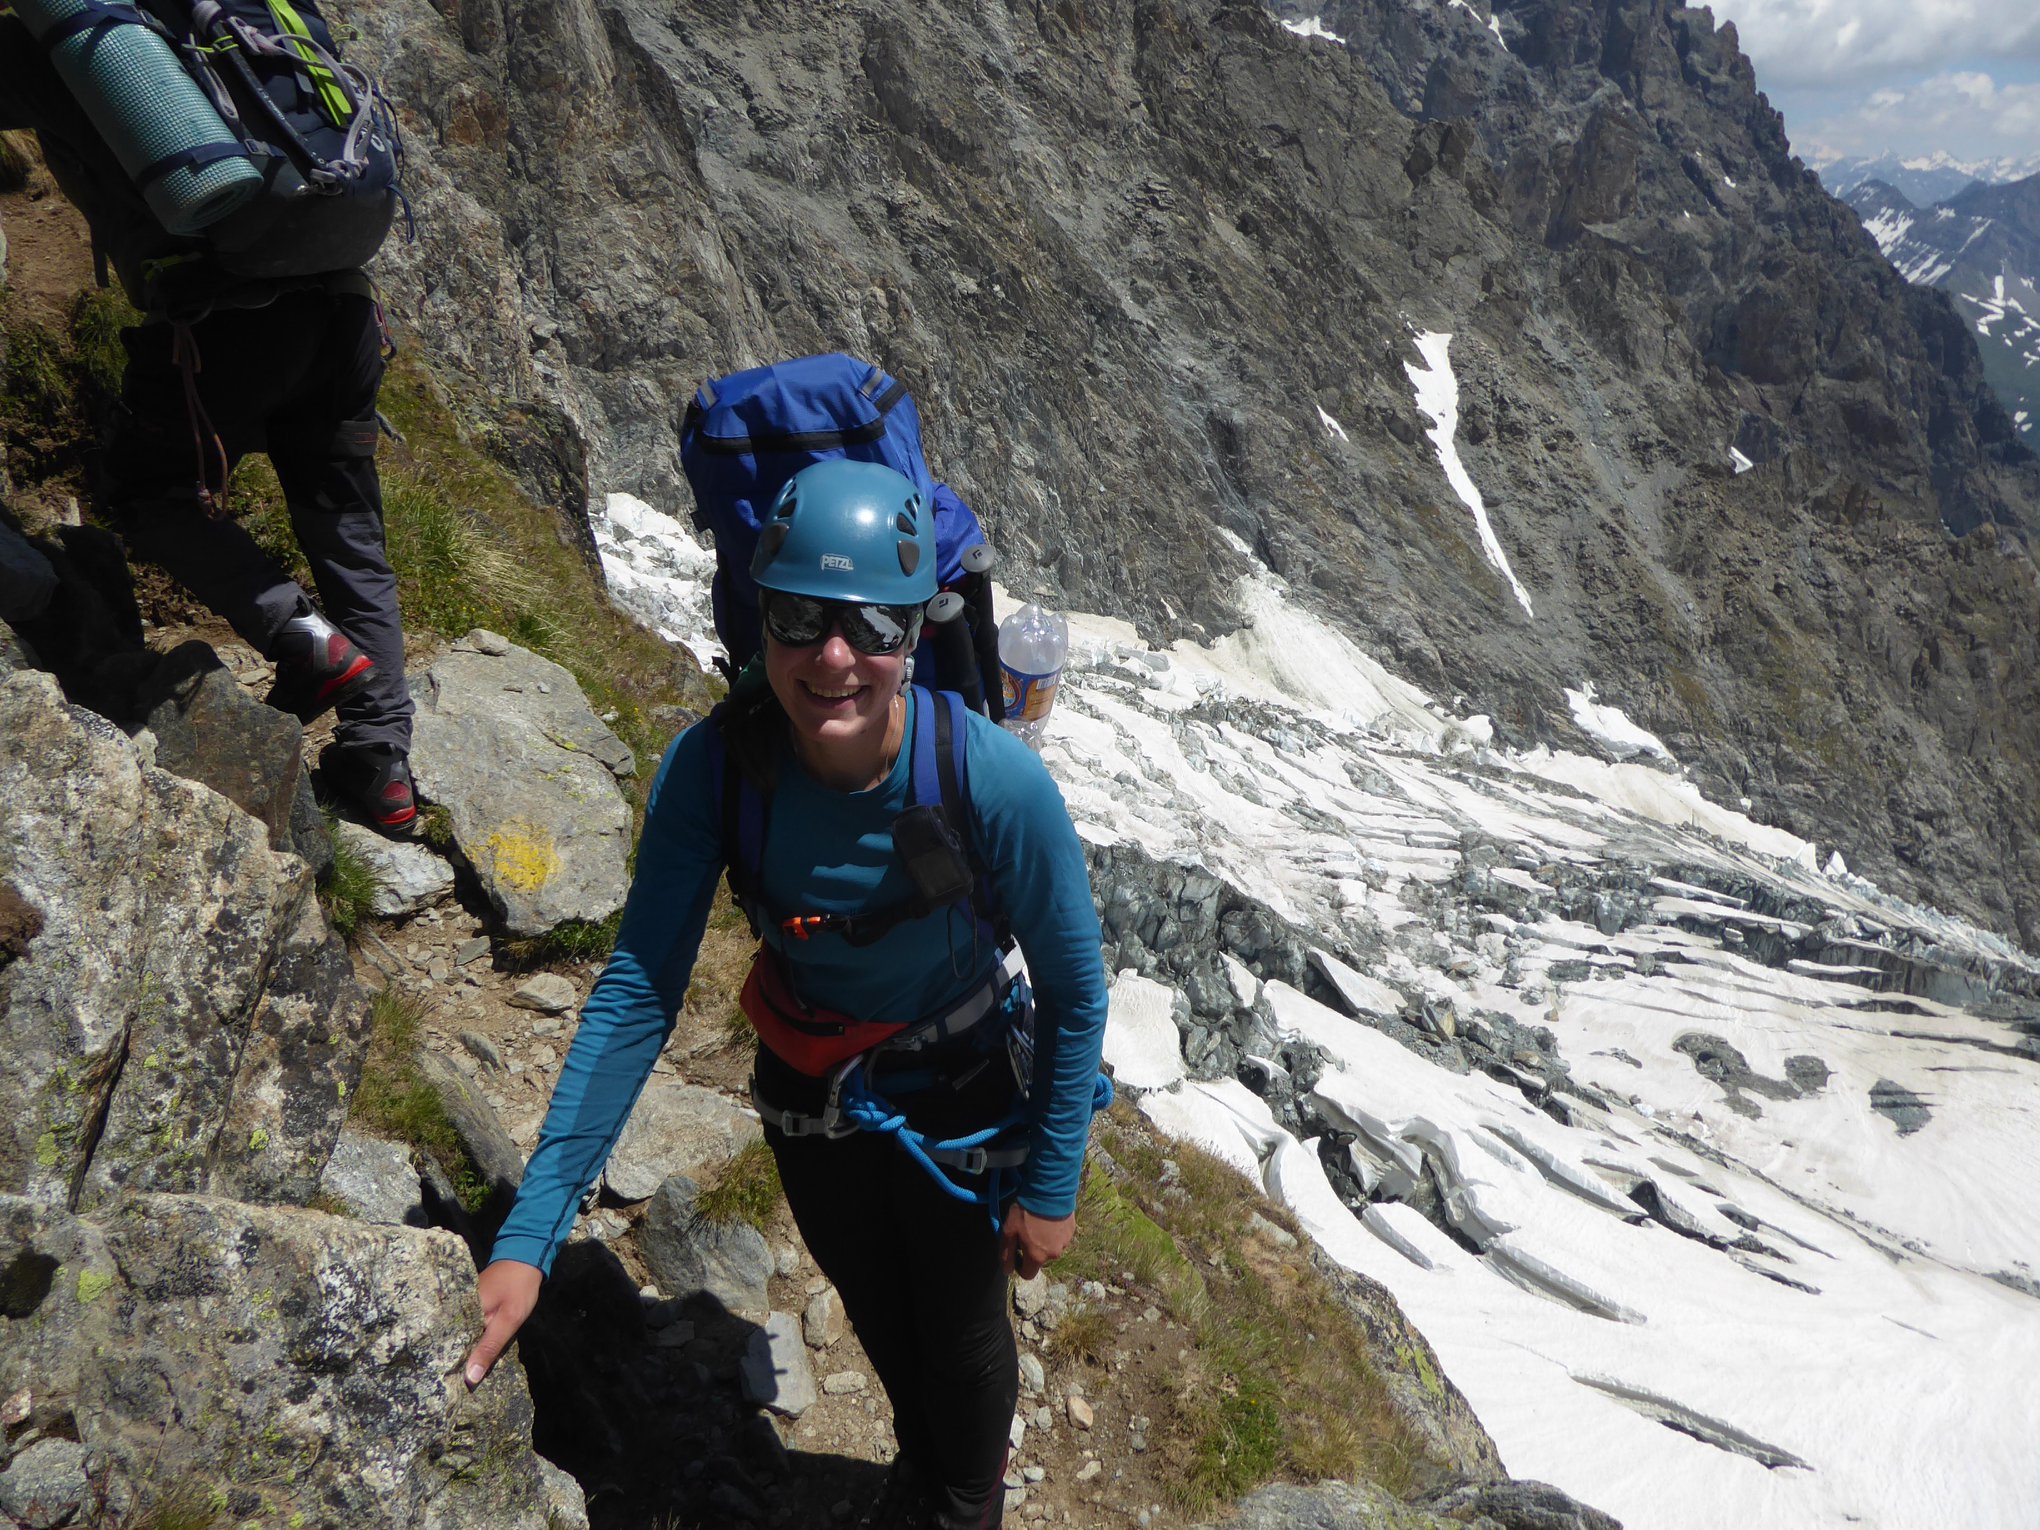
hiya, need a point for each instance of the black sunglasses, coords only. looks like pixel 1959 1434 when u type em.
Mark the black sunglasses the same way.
pixel 800 621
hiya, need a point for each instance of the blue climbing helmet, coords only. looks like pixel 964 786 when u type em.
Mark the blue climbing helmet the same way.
pixel 849 531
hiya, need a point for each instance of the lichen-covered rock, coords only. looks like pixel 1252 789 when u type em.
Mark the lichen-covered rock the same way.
pixel 48 1485
pixel 127 1020
pixel 301 1367
pixel 506 743
pixel 1330 1506
pixel 298 1068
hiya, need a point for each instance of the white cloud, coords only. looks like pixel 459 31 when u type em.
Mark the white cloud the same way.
pixel 1830 42
pixel 1965 111
pixel 1978 89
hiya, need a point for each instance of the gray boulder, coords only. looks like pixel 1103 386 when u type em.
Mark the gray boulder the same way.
pixel 775 1372
pixel 374 1180
pixel 15 652
pixel 211 731
pixel 546 992
pixel 1518 1505
pixel 505 742
pixel 566 1506
pixel 409 878
pixel 47 1485
pixel 181 1019
pixel 674 1128
pixel 495 1156
pixel 690 1257
pixel 26 579
pixel 296 1364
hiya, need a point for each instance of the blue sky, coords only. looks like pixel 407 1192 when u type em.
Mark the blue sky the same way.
pixel 1865 76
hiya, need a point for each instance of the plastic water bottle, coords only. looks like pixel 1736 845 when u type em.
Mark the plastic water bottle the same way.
pixel 1033 643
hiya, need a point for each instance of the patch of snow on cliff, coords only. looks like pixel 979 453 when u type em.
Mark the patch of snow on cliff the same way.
pixel 1438 397
pixel 1491 23
pixel 1888 228
pixel 1611 728
pixel 657 572
pixel 1742 463
pixel 1313 27
pixel 1332 426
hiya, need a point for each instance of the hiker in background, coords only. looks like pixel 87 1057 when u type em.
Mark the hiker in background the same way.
pixel 881 988
pixel 288 361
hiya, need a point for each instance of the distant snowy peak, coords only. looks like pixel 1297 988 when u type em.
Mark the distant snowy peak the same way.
pixel 1923 179
pixel 1982 247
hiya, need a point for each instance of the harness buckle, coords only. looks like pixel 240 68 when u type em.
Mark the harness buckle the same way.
pixel 975 1160
pixel 802 926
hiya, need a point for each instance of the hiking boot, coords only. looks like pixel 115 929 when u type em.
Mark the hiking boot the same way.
pixel 376 778
pixel 317 666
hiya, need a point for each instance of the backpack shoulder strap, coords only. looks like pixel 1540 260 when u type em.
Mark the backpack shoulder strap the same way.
pixel 746 807
pixel 941 776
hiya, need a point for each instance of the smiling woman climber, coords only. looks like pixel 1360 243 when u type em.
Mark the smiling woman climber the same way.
pixel 927 1107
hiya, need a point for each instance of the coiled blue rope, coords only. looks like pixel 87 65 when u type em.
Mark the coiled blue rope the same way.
pixel 872 1112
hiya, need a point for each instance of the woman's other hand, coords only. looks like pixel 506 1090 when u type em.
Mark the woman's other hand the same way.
pixel 1029 1241
pixel 509 1290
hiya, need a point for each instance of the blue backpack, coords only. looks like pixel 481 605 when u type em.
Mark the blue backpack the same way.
pixel 745 434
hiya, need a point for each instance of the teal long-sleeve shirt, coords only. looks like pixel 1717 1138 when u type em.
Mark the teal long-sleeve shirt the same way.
pixel 830 852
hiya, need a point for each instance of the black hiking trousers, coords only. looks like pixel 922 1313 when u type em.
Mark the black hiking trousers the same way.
pixel 296 379
pixel 922 1283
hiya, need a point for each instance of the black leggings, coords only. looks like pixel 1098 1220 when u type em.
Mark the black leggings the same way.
pixel 922 1283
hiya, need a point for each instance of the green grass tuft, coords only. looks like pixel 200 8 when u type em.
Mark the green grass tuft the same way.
pixel 187 1506
pixel 577 940
pixel 1083 1337
pixel 18 160
pixel 394 1101
pixel 746 1190
pixel 98 358
pixel 350 887
pixel 436 827
pixel 37 377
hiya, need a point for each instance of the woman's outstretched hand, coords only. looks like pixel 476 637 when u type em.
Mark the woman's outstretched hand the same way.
pixel 509 1290
pixel 1028 1241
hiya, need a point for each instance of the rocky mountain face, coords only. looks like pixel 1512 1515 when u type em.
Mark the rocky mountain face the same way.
pixel 1982 248
pixel 1923 179
pixel 1153 269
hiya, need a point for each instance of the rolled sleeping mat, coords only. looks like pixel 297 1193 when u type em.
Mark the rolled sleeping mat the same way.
pixel 184 160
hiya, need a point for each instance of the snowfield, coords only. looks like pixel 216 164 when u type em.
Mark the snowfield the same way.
pixel 1769 1260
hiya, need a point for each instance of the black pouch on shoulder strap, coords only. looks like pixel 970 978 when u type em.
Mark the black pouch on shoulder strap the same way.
pixel 933 855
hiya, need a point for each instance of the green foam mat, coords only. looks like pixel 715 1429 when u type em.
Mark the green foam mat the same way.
pixel 147 108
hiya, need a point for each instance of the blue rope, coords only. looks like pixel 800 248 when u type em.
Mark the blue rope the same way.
pixel 872 1112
